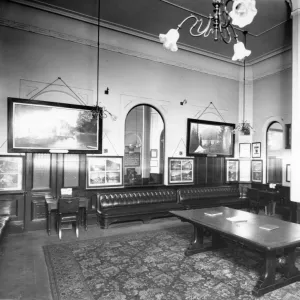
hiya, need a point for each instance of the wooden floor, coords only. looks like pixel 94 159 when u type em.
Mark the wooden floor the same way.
pixel 23 271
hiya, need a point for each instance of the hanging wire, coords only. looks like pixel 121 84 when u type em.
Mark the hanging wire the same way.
pixel 59 78
pixel 181 140
pixel 215 109
pixel 244 89
pixel 98 53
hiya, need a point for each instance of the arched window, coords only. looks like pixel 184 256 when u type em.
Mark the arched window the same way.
pixel 144 146
pixel 275 146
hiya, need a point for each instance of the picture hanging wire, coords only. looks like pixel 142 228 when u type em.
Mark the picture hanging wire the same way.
pixel 105 135
pixel 214 108
pixel 59 78
pixel 181 140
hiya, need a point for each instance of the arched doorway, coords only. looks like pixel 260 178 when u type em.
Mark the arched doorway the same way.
pixel 275 146
pixel 144 146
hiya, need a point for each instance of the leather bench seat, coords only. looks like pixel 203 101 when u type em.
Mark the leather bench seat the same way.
pixel 142 205
pixel 200 197
pixel 137 209
pixel 5 211
pixel 3 223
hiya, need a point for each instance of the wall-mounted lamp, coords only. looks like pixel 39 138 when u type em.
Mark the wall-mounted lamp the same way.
pixel 106 92
pixel 183 102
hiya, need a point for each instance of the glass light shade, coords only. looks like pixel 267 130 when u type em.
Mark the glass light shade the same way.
pixel 169 40
pixel 240 52
pixel 243 12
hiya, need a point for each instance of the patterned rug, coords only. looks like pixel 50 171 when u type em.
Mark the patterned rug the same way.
pixel 152 266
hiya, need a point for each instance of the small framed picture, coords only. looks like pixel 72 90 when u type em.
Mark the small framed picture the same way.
pixel 153 153
pixel 11 173
pixel 181 170
pixel 288 136
pixel 288 173
pixel 245 150
pixel 104 171
pixel 245 171
pixel 232 170
pixel 257 171
pixel 256 150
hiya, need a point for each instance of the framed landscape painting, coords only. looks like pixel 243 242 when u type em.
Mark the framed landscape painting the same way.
pixel 11 173
pixel 103 171
pixel 181 170
pixel 206 138
pixel 257 171
pixel 40 126
pixel 232 170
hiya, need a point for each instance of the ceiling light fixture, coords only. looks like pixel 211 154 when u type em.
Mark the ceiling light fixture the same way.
pixel 220 24
pixel 98 111
pixel 244 127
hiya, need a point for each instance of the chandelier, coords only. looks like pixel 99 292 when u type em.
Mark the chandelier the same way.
pixel 244 127
pixel 220 24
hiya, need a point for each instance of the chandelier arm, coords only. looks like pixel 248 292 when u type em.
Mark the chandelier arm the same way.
pixel 187 18
pixel 205 31
pixel 226 38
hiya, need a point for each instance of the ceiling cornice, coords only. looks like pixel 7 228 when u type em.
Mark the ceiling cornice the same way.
pixel 109 47
pixel 126 30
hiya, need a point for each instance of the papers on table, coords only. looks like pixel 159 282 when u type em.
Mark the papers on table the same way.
pixel 212 213
pixel 268 227
pixel 237 219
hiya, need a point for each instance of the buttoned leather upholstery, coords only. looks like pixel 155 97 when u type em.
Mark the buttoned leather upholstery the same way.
pixel 199 197
pixel 135 205
pixel 5 210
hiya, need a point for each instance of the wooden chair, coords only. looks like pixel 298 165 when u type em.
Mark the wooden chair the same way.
pixel 267 199
pixel 253 198
pixel 68 212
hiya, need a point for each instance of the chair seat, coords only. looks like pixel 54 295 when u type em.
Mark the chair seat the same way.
pixel 69 218
pixel 68 211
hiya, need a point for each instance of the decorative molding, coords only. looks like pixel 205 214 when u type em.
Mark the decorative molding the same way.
pixel 296 12
pixel 112 48
pixel 273 72
pixel 138 33
pixel 117 49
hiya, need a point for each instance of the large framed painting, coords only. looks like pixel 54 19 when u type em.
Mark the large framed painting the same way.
pixel 181 170
pixel 11 173
pixel 103 171
pixel 41 126
pixel 232 170
pixel 257 170
pixel 206 138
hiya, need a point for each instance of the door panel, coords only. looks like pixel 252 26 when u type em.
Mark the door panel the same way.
pixel 40 180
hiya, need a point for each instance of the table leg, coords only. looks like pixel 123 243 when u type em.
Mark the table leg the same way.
pixel 290 270
pixel 196 244
pixel 85 218
pixel 266 280
pixel 49 222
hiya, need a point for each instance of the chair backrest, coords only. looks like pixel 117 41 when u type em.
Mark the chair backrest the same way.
pixel 68 205
pixel 253 194
pixel 265 198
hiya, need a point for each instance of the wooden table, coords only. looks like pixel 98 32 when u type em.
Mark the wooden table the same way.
pixel 283 240
pixel 52 206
